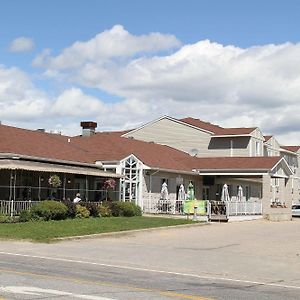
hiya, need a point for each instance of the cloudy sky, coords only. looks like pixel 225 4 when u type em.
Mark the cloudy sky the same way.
pixel 124 63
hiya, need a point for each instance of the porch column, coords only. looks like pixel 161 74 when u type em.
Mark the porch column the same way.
pixel 86 188
pixel 64 187
pixel 266 195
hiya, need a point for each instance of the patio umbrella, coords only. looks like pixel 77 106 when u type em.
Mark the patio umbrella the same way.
pixel 191 192
pixel 181 193
pixel 164 194
pixel 225 194
pixel 240 194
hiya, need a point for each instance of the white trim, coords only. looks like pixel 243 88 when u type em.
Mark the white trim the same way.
pixel 288 151
pixel 232 135
pixel 232 173
pixel 286 165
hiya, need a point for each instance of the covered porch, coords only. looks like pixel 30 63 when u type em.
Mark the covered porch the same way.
pixel 23 183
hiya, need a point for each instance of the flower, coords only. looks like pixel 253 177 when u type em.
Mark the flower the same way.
pixel 54 180
pixel 109 184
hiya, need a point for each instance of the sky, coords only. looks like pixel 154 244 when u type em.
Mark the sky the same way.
pixel 123 63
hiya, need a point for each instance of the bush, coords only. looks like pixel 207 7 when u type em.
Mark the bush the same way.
pixel 49 210
pixel 25 216
pixel 71 212
pixel 92 208
pixel 7 219
pixel 126 209
pixel 82 212
pixel 104 210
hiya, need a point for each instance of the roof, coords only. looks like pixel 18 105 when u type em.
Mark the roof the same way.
pixel 216 129
pixel 107 146
pixel 40 144
pixel 202 125
pixel 237 163
pixel 267 137
pixel 111 146
pixel 291 148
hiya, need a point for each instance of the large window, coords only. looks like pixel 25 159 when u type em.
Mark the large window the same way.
pixel 131 169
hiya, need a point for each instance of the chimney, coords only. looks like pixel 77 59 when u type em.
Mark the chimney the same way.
pixel 88 128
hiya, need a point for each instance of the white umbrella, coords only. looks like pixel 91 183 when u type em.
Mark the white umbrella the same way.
pixel 181 193
pixel 225 194
pixel 240 194
pixel 164 194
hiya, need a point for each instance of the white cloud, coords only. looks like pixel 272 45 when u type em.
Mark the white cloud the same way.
pixel 19 99
pixel 228 85
pixel 113 43
pixel 21 44
pixel 74 103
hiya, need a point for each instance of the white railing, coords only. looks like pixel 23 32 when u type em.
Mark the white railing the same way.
pixel 158 206
pixel 238 208
pixel 13 208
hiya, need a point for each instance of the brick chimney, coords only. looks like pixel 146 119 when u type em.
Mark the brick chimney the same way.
pixel 88 128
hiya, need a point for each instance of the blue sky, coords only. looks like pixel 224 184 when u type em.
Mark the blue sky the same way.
pixel 58 25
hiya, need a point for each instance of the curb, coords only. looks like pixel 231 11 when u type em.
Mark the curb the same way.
pixel 125 232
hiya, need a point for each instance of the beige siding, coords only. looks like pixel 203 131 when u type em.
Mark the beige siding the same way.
pixel 271 147
pixel 185 138
pixel 174 134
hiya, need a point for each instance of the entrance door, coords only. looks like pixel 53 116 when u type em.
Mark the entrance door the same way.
pixel 206 193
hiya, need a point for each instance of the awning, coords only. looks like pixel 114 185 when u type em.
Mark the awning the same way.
pixel 54 168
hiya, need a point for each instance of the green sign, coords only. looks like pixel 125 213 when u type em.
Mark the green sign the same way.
pixel 189 205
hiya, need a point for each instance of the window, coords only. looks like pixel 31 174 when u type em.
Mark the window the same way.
pixel 257 148
pixel 130 183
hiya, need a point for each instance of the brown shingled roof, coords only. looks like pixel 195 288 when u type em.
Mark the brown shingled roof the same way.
pixel 291 148
pixel 216 129
pixel 235 131
pixel 113 147
pixel 40 144
pixel 201 124
pixel 267 137
pixel 237 163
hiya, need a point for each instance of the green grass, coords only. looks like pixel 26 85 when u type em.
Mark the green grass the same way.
pixel 47 231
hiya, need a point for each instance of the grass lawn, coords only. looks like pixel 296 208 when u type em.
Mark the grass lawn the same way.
pixel 47 231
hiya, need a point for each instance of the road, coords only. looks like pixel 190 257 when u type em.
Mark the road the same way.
pixel 245 260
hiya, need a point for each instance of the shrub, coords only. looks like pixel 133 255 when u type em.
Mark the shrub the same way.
pixel 126 209
pixel 104 210
pixel 49 210
pixel 92 208
pixel 71 212
pixel 7 219
pixel 82 212
pixel 25 216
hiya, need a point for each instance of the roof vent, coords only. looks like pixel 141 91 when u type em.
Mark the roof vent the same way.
pixel 88 128
pixel 194 152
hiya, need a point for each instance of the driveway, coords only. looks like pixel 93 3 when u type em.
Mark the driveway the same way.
pixel 217 261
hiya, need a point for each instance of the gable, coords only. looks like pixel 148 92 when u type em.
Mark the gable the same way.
pixel 173 133
pixel 281 169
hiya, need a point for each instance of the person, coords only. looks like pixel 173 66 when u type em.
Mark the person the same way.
pixel 77 198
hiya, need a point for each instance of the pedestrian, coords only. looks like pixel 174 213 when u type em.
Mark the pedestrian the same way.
pixel 77 198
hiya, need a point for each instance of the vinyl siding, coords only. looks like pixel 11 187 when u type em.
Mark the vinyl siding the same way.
pixel 173 134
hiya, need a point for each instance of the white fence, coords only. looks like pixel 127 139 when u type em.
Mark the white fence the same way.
pixel 230 208
pixel 239 208
pixel 158 206
pixel 12 208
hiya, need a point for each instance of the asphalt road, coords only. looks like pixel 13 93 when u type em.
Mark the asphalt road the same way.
pixel 250 260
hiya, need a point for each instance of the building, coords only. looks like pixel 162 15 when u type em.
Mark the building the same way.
pixel 176 152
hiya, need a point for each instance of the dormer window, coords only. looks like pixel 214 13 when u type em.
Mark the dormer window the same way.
pixel 257 148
